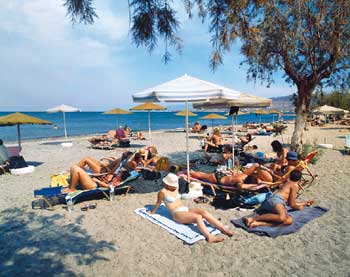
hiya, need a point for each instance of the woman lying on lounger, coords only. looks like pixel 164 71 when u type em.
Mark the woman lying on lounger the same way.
pixel 170 196
pixel 105 165
pixel 242 180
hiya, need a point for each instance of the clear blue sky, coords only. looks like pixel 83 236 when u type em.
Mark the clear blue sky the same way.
pixel 45 61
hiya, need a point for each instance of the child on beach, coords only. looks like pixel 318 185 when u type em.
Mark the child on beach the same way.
pixel 274 209
pixel 170 196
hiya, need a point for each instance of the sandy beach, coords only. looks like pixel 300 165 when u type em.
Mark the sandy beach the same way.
pixel 112 240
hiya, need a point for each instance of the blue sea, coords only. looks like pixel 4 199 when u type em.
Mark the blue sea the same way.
pixel 84 123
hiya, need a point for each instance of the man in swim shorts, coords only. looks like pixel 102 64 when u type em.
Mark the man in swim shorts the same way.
pixel 273 209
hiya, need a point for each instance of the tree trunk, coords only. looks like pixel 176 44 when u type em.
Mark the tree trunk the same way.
pixel 301 110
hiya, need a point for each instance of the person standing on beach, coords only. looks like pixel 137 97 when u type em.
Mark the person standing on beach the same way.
pixel 273 208
pixel 4 155
pixel 170 196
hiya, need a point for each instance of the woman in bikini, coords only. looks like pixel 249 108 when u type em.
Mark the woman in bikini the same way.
pixel 281 153
pixel 170 196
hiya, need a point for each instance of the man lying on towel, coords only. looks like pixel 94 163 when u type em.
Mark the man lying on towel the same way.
pixel 273 208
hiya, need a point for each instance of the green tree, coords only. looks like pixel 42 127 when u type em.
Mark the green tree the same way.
pixel 308 40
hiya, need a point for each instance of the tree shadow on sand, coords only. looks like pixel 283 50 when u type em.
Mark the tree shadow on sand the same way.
pixel 33 244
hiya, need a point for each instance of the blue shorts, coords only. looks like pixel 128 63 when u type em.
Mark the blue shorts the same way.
pixel 270 202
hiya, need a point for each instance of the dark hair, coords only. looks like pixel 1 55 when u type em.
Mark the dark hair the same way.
pixel 276 146
pixel 126 155
pixel 295 175
pixel 250 179
pixel 1 142
pixel 255 146
pixel 228 148
pixel 249 136
pixel 137 156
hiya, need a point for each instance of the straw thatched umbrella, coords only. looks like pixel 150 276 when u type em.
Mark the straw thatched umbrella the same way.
pixel 117 112
pixel 273 112
pixel 213 116
pixel 186 114
pixel 260 112
pixel 148 106
pixel 18 119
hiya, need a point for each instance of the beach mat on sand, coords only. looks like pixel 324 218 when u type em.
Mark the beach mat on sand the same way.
pixel 300 218
pixel 163 218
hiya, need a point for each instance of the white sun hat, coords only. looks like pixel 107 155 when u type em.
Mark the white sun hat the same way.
pixel 171 180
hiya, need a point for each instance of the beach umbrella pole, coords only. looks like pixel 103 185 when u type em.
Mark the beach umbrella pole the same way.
pixel 149 125
pixel 64 123
pixel 19 136
pixel 187 153
pixel 233 142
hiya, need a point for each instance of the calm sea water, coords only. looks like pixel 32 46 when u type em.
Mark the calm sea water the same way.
pixel 84 123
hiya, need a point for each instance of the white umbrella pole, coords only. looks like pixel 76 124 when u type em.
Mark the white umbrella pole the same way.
pixel 64 123
pixel 149 125
pixel 233 142
pixel 19 137
pixel 187 154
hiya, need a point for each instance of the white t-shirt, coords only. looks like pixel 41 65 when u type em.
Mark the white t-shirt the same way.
pixel 4 155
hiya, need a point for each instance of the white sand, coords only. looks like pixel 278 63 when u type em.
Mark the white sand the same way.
pixel 113 241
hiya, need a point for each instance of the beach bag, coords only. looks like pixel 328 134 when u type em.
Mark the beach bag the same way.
pixel 59 180
pixel 222 202
pixel 150 175
pixel 124 143
pixel 183 186
pixel 162 164
pixel 17 162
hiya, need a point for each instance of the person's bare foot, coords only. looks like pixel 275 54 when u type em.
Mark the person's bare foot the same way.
pixel 248 221
pixel 214 239
pixel 227 232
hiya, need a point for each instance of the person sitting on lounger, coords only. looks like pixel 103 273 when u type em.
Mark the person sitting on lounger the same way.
pixel 105 165
pixel 140 135
pixel 120 134
pixel 215 142
pixel 273 208
pixel 235 179
pixel 170 196
pixel 281 153
pixel 268 175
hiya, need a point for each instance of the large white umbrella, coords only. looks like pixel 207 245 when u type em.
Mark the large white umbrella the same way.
pixel 325 109
pixel 63 109
pixel 185 89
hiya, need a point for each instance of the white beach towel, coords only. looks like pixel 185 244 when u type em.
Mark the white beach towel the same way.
pixel 188 233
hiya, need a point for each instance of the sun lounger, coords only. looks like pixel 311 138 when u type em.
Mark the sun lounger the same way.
pixel 49 197
pixel 216 187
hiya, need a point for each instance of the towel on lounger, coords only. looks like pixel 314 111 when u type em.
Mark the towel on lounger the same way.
pixel 300 218
pixel 188 233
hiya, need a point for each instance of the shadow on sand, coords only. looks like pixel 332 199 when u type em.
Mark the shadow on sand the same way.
pixel 36 245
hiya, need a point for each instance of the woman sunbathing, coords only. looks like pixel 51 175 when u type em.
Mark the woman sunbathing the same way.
pixel 105 165
pixel 281 153
pixel 245 180
pixel 170 196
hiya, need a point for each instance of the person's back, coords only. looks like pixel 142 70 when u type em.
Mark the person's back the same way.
pixel 120 134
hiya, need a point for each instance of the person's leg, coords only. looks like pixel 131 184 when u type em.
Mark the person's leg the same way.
pixel 93 164
pixel 281 217
pixel 79 176
pixel 212 220
pixel 189 217
pixel 210 177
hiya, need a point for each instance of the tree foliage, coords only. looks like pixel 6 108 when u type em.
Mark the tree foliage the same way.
pixel 338 99
pixel 308 40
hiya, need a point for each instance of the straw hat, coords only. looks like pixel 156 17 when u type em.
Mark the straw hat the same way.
pixel 171 180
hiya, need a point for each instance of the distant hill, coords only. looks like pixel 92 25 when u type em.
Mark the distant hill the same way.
pixel 283 103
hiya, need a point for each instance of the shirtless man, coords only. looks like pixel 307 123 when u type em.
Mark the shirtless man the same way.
pixel 215 141
pixel 274 206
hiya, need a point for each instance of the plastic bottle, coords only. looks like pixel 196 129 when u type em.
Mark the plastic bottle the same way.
pixel 69 202
pixel 111 193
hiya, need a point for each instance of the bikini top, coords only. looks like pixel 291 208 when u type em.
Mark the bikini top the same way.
pixel 171 199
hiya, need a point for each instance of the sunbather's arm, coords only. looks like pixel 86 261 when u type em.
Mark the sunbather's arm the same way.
pixel 292 199
pixel 160 198
pixel 100 183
